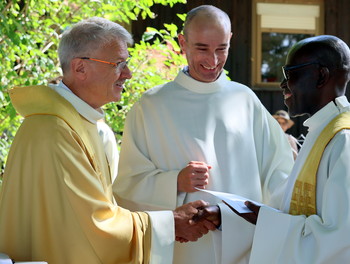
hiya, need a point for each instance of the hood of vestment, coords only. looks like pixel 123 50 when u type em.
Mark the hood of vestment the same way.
pixel 40 99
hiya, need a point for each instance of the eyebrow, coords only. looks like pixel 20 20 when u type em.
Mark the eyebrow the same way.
pixel 206 45
pixel 122 59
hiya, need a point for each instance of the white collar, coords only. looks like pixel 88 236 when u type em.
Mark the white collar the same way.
pixel 327 113
pixel 186 81
pixel 84 109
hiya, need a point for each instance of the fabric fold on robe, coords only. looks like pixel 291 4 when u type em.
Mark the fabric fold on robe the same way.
pixel 222 123
pixel 56 203
pixel 322 237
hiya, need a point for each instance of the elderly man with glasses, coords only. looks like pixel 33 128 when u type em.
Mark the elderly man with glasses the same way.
pixel 313 225
pixel 56 204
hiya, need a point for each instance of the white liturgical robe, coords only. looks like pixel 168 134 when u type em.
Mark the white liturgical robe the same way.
pixel 319 238
pixel 221 123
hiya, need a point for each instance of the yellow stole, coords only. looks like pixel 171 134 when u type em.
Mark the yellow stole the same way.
pixel 303 200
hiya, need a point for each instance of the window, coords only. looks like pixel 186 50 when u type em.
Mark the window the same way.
pixel 277 25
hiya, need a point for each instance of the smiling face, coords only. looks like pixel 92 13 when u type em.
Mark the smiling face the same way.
pixel 301 93
pixel 206 47
pixel 319 71
pixel 103 83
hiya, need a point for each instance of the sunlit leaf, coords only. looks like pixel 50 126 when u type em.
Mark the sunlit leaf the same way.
pixel 29 35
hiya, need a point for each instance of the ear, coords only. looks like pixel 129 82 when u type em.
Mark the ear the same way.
pixel 78 68
pixel 182 42
pixel 323 77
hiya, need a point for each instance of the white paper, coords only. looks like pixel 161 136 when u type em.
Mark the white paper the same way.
pixel 234 200
pixel 5 259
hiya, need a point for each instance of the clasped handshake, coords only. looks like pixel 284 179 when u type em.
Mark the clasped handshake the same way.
pixel 195 219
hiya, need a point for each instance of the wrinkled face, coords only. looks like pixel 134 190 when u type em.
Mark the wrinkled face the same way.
pixel 206 47
pixel 300 90
pixel 105 81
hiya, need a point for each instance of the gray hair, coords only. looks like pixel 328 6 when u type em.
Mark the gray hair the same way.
pixel 87 36
pixel 210 12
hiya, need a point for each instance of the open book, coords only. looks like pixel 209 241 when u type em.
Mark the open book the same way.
pixel 234 201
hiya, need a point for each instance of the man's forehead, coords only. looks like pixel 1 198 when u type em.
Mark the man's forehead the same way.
pixel 114 49
pixel 205 44
pixel 209 36
pixel 297 54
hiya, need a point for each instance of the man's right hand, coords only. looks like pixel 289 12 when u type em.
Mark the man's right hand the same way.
pixel 211 213
pixel 195 174
pixel 186 229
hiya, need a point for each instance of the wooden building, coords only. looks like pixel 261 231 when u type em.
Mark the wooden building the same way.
pixel 260 28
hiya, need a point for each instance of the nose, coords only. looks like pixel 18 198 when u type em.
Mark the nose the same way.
pixel 126 73
pixel 212 59
pixel 283 84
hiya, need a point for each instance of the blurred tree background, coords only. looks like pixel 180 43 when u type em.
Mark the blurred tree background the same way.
pixel 275 48
pixel 30 31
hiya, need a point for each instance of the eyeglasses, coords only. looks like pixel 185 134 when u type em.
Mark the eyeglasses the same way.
pixel 287 69
pixel 118 65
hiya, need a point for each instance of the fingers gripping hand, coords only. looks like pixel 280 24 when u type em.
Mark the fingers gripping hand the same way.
pixel 195 174
pixel 210 215
pixel 184 229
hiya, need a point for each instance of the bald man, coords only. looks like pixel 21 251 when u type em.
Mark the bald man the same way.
pixel 202 130
pixel 314 224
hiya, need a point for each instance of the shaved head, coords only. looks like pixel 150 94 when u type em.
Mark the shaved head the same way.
pixel 329 50
pixel 207 14
pixel 321 74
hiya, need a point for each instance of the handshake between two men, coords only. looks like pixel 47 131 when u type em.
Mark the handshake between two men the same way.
pixel 195 219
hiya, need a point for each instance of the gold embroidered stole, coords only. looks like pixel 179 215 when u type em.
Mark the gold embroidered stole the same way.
pixel 303 200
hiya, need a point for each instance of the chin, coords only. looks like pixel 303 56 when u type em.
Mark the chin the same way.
pixel 116 99
pixel 210 78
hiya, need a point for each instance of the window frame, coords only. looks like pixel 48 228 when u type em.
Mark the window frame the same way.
pixel 257 31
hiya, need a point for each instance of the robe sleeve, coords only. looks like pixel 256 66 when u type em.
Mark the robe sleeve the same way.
pixel 139 173
pixel 321 238
pixel 110 145
pixel 274 156
pixel 234 248
pixel 163 237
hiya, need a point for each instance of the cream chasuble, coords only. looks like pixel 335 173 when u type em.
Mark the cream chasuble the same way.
pixel 56 203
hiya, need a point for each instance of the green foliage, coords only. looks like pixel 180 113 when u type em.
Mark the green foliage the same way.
pixel 151 65
pixel 29 34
